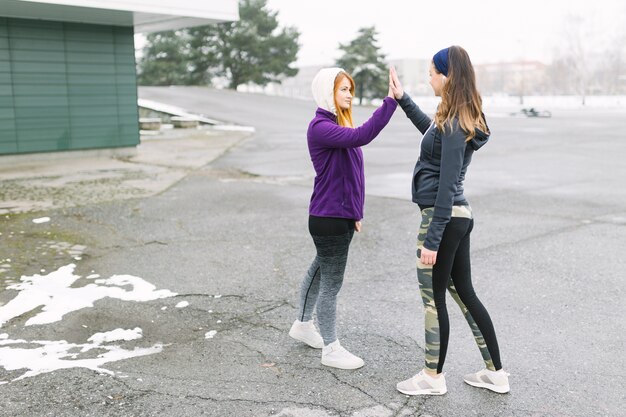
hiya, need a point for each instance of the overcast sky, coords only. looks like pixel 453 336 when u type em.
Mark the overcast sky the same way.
pixel 490 30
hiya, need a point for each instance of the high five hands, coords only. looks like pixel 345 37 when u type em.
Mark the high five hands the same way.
pixel 395 87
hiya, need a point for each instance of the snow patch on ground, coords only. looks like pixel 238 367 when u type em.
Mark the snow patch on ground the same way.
pixel 56 294
pixel 43 356
pixel 52 296
pixel 116 335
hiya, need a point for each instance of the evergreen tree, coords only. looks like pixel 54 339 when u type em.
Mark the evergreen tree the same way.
pixel 366 64
pixel 253 49
pixel 164 60
pixel 202 55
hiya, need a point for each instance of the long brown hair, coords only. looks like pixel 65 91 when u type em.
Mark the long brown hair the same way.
pixel 459 95
pixel 344 117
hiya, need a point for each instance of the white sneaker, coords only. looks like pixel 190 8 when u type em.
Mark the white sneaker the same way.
pixel 336 356
pixel 496 381
pixel 306 332
pixel 423 384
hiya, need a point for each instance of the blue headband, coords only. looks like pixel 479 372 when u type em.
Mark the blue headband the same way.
pixel 441 61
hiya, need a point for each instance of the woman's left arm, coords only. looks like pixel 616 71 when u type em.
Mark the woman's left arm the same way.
pixel 412 111
pixel 452 153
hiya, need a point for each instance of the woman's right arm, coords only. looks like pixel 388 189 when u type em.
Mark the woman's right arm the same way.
pixel 418 117
pixel 414 113
pixel 331 135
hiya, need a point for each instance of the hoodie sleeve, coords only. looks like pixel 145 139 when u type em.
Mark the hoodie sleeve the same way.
pixel 414 113
pixel 331 135
pixel 452 153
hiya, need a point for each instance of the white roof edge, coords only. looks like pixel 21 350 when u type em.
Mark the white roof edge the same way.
pixel 170 23
pixel 144 15
pixel 216 9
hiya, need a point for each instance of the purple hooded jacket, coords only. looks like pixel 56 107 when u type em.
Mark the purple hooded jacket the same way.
pixel 339 188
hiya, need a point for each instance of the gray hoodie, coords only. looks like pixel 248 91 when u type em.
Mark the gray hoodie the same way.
pixel 440 171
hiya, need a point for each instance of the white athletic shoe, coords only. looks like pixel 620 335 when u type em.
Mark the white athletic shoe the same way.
pixel 496 381
pixel 306 332
pixel 336 356
pixel 423 384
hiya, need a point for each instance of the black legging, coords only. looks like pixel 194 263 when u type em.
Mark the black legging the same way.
pixel 329 226
pixel 452 270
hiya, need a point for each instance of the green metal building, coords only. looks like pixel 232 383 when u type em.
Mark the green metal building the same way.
pixel 67 68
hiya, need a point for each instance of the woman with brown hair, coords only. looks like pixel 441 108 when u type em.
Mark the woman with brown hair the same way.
pixel 458 130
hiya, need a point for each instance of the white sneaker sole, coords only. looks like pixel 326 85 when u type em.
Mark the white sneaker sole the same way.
pixel 424 391
pixel 312 343
pixel 341 366
pixel 491 387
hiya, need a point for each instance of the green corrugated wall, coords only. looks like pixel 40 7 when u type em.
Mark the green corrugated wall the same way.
pixel 66 86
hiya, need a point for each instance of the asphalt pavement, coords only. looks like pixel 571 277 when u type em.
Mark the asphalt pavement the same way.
pixel 179 299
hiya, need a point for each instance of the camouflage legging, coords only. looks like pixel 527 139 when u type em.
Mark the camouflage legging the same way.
pixel 452 270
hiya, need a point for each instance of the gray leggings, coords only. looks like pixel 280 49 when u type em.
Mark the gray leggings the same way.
pixel 323 281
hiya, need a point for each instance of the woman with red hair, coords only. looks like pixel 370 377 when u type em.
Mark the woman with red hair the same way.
pixel 336 207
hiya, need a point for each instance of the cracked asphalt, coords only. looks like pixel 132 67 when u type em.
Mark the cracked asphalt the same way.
pixel 229 237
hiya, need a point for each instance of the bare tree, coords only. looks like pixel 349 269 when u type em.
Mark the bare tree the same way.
pixel 577 36
pixel 615 72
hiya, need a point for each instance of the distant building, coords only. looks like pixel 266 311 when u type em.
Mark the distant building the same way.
pixel 413 74
pixel 67 68
pixel 520 78
pixel 298 86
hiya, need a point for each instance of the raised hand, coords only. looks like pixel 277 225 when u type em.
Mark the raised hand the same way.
pixel 395 86
pixel 390 92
